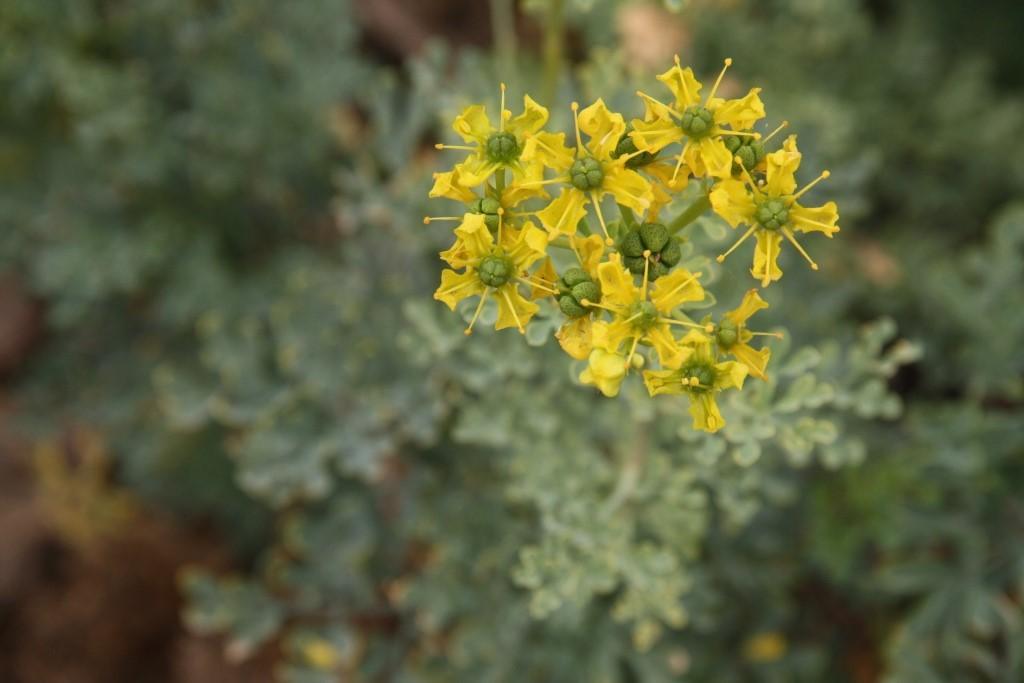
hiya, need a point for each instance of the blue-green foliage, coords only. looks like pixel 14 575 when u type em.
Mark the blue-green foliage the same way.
pixel 220 203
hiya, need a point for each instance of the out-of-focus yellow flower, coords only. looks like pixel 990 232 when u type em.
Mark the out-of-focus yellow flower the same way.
pixel 765 647
pixel 492 268
pixel 733 337
pixel 772 211
pixel 700 378
pixel 594 173
pixel 700 127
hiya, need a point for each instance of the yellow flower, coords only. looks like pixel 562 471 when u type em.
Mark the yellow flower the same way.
pixel 699 127
pixel 605 370
pixel 494 148
pixel 449 185
pixel 700 378
pixel 575 336
pixel 491 269
pixel 644 313
pixel 594 173
pixel 733 337
pixel 772 211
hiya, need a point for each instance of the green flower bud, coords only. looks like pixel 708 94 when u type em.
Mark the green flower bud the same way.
pixel 704 373
pixel 697 122
pixel 574 287
pixel 653 237
pixel 727 333
pixel 772 214
pixel 627 146
pixel 488 206
pixel 750 151
pixel 586 174
pixel 495 270
pixel 502 147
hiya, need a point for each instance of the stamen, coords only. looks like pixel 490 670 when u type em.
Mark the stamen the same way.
pixel 501 111
pixel 632 350
pixel 776 335
pixel 501 212
pixel 738 133
pixel 789 236
pixel 709 328
pixel 721 257
pixel 808 186
pixel 533 283
pixel 427 220
pixel 647 97
pixel 679 163
pixel 768 261
pixel 746 175
pixel 513 310
pixel 600 217
pixel 462 147
pixel 538 183
pixel 576 120
pixel 714 88
pixel 782 125
pixel 588 303
pixel 476 314
pixel 647 264
pixel 683 284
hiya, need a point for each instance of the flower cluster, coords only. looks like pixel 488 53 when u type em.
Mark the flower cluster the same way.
pixel 623 291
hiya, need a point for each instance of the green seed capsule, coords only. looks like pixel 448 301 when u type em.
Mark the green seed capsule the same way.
pixel 488 206
pixel 502 147
pixel 495 270
pixel 586 174
pixel 772 214
pixel 574 287
pixel 570 307
pixel 627 146
pixel 588 291
pixel 697 122
pixel 654 236
pixel 727 333
pixel 632 245
pixel 574 276
pixel 671 254
pixel 750 151
pixel 704 373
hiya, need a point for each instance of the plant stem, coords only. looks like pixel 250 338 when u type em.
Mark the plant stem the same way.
pixel 503 28
pixel 692 212
pixel 627 215
pixel 554 29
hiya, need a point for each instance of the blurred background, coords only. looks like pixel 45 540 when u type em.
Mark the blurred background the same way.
pixel 240 442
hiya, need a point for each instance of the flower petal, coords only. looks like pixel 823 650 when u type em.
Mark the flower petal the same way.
pixel 780 169
pixel 546 276
pixel 531 120
pixel 549 149
pixel 604 127
pixel 751 304
pixel 706 416
pixel 473 241
pixel 663 382
pixel 513 309
pixel 473 125
pixel 561 216
pixel 655 134
pixel 732 201
pixel 457 286
pixel 576 337
pixel 627 186
pixel 738 114
pixel 605 371
pixel 766 256
pixel 684 86
pixel 678 287
pixel 756 362
pixel 617 286
pixel 451 185
pixel 590 250
pixel 528 246
pixel 524 184
pixel 815 219
pixel 670 353
pixel 716 157
pixel 476 170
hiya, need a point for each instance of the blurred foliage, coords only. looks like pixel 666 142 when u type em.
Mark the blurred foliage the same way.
pixel 219 203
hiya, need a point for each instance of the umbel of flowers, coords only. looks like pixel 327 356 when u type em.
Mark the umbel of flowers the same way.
pixel 534 227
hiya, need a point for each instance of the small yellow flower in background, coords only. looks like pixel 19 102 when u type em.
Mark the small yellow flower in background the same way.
pixel 700 127
pixel 492 269
pixel 322 654
pixel 764 648
pixel 595 173
pixel 733 337
pixel 700 378
pixel 644 313
pixel 772 211
pixel 494 148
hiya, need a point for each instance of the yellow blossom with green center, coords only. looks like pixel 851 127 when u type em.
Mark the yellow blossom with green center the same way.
pixel 593 173
pixel 492 268
pixel 700 126
pixel 500 147
pixel 700 377
pixel 732 336
pixel 772 212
